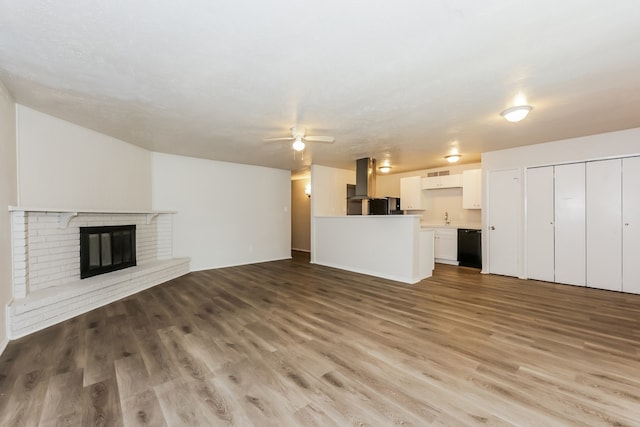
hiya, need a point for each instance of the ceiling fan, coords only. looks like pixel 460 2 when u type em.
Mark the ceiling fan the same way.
pixel 299 138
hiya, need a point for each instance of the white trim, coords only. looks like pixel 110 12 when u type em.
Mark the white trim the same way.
pixel 3 344
pixel 239 264
pixel 374 274
pixel 65 217
pixel 91 211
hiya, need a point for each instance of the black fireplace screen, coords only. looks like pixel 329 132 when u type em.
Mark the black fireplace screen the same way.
pixel 106 249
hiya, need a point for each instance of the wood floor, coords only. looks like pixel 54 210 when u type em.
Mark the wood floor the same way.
pixel 288 343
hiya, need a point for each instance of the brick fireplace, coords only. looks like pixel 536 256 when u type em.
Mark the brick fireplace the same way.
pixel 47 288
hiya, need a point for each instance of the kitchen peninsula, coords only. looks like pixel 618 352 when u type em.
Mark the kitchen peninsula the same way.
pixel 389 246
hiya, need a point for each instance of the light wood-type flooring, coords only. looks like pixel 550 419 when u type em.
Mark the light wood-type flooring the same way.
pixel 288 343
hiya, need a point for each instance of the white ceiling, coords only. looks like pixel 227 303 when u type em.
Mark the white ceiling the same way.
pixel 402 80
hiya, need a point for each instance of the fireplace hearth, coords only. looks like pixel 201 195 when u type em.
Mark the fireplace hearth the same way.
pixel 107 248
pixel 46 283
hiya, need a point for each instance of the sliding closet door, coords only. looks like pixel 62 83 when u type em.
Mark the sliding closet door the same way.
pixel 631 225
pixel 604 224
pixel 540 212
pixel 570 224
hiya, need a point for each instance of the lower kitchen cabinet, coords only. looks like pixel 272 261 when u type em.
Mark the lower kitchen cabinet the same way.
pixel 446 245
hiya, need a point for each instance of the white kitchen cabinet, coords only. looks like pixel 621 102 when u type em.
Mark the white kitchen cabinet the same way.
pixel 472 189
pixel 446 245
pixel 570 221
pixel 411 193
pixel 540 227
pixel 441 181
pixel 427 255
pixel 604 229
pixel 631 225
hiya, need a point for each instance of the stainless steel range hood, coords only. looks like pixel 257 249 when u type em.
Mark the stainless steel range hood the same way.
pixel 365 179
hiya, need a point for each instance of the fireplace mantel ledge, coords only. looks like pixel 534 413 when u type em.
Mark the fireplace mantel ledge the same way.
pixel 67 214
pixel 79 211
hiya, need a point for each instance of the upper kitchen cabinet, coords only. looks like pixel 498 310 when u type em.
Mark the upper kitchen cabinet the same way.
pixel 411 194
pixel 442 179
pixel 472 189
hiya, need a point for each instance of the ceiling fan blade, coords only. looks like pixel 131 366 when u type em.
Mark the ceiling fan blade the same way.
pixel 278 139
pixel 328 139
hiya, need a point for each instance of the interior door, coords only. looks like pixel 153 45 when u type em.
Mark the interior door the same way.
pixel 569 203
pixel 604 229
pixel 504 222
pixel 540 227
pixel 631 225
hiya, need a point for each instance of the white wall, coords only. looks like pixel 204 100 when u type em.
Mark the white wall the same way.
pixel 63 165
pixel 611 144
pixel 8 197
pixel 329 190
pixel 328 194
pixel 439 201
pixel 228 214
pixel 605 145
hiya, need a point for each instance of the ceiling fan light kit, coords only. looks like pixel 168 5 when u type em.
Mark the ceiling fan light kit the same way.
pixel 299 138
pixel 298 145
pixel 517 113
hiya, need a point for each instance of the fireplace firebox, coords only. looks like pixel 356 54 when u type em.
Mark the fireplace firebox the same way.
pixel 106 249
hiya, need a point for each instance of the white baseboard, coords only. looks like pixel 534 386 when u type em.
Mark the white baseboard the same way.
pixel 446 261
pixel 3 345
pixel 301 250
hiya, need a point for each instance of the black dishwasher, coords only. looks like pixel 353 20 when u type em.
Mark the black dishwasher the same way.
pixel 470 247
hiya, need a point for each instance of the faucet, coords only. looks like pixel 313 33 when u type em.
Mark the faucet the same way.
pixel 446 218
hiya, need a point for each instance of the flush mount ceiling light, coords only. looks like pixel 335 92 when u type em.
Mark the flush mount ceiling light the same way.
pixel 385 169
pixel 298 145
pixel 517 113
pixel 452 158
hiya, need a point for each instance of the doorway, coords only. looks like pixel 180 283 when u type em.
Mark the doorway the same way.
pixel 300 214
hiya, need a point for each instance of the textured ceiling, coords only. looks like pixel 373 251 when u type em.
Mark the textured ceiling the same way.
pixel 403 80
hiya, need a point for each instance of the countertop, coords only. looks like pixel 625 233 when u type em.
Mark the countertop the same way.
pixel 369 216
pixel 454 226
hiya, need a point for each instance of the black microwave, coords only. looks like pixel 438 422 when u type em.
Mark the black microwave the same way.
pixel 385 206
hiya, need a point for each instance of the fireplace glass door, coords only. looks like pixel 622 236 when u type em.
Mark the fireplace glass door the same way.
pixel 106 249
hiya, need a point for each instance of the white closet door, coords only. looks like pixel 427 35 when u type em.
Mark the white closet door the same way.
pixel 504 222
pixel 570 224
pixel 631 225
pixel 540 217
pixel 604 229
